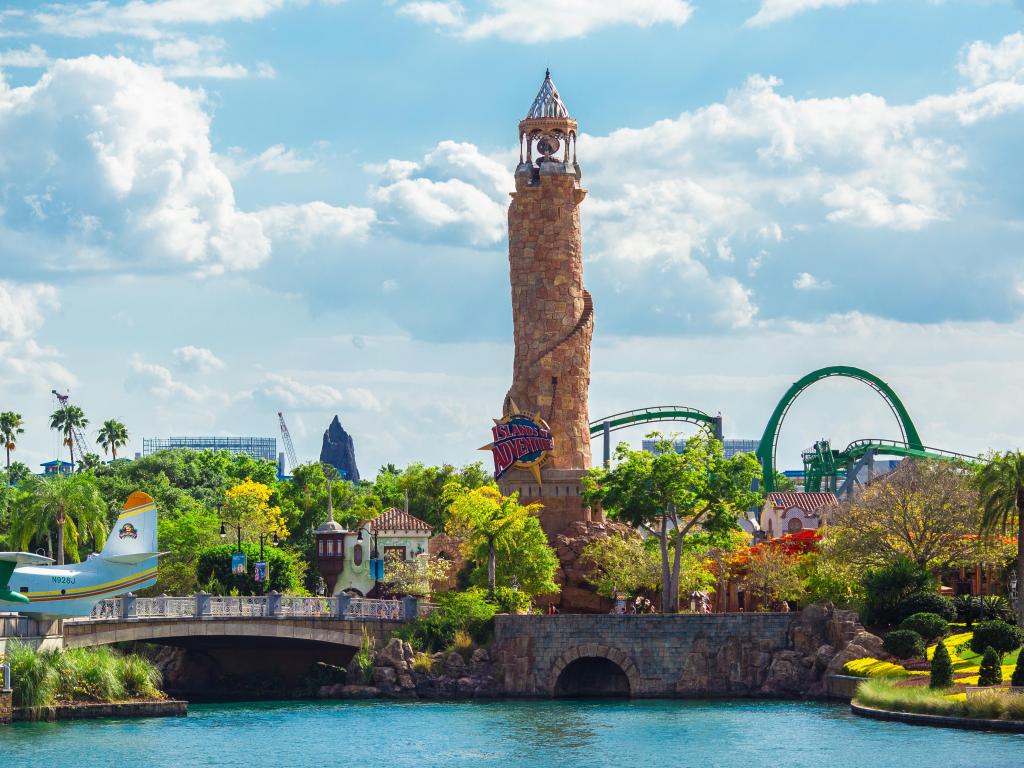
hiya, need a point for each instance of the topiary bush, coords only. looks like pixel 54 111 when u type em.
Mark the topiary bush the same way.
pixel 968 609
pixel 930 626
pixel 925 602
pixel 904 644
pixel 991 671
pixel 942 668
pixel 1017 679
pixel 998 635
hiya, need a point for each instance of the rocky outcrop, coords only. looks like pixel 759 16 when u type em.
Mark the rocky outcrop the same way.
pixel 577 594
pixel 339 451
pixel 395 676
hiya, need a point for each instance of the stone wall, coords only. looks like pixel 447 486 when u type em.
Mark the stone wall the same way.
pixel 6 706
pixel 686 655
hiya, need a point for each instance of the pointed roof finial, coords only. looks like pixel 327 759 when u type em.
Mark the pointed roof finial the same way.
pixel 548 103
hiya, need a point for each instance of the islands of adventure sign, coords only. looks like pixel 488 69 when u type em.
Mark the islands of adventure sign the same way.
pixel 521 441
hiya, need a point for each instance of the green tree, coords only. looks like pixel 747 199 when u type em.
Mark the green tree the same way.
pixel 11 425
pixel 990 672
pixel 69 506
pixel 65 420
pixel 423 488
pixel 90 462
pixel 214 570
pixel 888 587
pixel 1001 483
pixel 18 473
pixel 783 483
pixel 1017 680
pixel 621 564
pixel 503 534
pixel 413 577
pixel 772 576
pixel 695 491
pixel 113 435
pixel 942 668
pixel 184 536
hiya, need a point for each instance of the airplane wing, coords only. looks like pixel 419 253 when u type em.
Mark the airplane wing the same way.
pixel 8 561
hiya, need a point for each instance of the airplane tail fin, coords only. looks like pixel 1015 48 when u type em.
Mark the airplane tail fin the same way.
pixel 133 537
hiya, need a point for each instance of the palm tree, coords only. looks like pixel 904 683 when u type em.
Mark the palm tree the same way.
pixel 66 420
pixel 1001 483
pixel 71 505
pixel 113 434
pixel 10 428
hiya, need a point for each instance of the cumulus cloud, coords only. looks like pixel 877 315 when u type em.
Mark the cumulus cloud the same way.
pixel 311 223
pixel 136 187
pixel 805 281
pixel 772 11
pixel 557 20
pixel 197 359
pixel 33 56
pixel 984 63
pixel 158 381
pixel 455 193
pixel 298 394
pixel 277 159
pixel 183 57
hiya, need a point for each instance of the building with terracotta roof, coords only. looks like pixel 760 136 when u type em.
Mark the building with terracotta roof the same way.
pixel 355 561
pixel 792 512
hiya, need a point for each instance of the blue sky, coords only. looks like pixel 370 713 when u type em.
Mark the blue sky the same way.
pixel 210 212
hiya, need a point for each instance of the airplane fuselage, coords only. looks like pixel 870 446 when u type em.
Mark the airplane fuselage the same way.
pixel 73 590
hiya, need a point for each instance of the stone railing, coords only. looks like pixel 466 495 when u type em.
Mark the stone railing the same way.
pixel 202 606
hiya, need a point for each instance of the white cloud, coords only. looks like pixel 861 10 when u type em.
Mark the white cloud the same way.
pixel 197 359
pixel 870 207
pixel 136 187
pixel 805 281
pixel 23 308
pixel 777 10
pixel 277 159
pixel 156 380
pixel 309 223
pixel 984 63
pixel 182 57
pixel 297 394
pixel 33 56
pixel 148 19
pixel 556 20
pixel 455 194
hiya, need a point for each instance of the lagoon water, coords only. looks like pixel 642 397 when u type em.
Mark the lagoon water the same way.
pixel 517 734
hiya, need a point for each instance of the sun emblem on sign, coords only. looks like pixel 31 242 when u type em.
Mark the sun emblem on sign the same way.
pixel 520 441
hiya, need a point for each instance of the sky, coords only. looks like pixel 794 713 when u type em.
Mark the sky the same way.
pixel 214 211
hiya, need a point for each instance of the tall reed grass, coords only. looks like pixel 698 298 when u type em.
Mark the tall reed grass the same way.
pixel 44 678
pixel 988 705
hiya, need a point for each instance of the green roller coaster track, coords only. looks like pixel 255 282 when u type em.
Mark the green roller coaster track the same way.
pixel 769 440
pixel 821 463
pixel 654 414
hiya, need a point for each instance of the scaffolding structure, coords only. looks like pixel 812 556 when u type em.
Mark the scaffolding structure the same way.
pixel 256 447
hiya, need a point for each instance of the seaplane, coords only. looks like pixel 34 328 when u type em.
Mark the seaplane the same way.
pixel 30 585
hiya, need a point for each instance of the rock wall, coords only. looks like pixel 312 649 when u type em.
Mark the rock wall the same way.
pixel 6 706
pixel 686 655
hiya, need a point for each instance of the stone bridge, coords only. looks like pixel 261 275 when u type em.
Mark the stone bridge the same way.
pixel 646 656
pixel 206 621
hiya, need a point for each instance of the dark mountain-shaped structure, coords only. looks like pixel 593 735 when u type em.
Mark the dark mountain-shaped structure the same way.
pixel 339 451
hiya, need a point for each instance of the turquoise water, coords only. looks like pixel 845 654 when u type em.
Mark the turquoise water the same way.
pixel 658 734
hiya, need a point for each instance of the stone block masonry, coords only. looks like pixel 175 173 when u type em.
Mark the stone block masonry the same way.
pixel 681 655
pixel 6 705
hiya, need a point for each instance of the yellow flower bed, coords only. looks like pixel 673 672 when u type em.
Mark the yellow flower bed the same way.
pixel 956 696
pixel 874 668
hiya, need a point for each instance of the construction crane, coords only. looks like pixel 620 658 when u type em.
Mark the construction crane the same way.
pixel 81 444
pixel 286 438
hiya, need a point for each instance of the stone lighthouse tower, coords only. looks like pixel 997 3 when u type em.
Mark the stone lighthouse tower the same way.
pixel 552 312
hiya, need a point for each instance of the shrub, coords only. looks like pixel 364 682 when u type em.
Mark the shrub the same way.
pixel 364 657
pixel 883 694
pixel 995 607
pixel 925 602
pixel 422 662
pixel 33 677
pixel 463 643
pixel 942 668
pixel 888 587
pixel 140 677
pixel 991 671
pixel 904 644
pixel 868 667
pixel 930 626
pixel 968 608
pixel 214 568
pixel 999 635
pixel 1017 679
pixel 511 600
pixel 468 611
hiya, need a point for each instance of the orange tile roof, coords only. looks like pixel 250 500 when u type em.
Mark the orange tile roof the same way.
pixel 808 502
pixel 397 520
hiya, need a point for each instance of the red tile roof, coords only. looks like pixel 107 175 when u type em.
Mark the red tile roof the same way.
pixel 810 503
pixel 397 520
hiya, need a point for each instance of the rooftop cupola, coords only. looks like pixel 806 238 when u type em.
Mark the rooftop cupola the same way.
pixel 546 132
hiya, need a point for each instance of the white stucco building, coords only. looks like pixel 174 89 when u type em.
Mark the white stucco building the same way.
pixel 792 512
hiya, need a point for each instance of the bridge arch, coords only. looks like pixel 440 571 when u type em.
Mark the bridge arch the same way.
pixel 593 658
pixel 770 438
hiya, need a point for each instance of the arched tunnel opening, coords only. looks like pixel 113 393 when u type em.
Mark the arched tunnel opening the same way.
pixel 592 677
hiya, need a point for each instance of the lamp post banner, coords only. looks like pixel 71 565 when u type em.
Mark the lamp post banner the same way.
pixel 260 573
pixel 238 563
